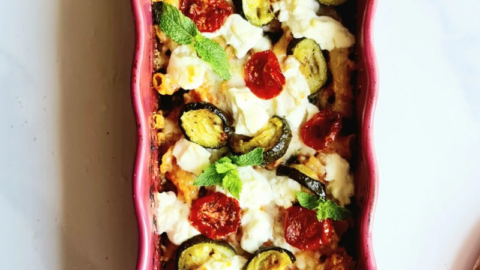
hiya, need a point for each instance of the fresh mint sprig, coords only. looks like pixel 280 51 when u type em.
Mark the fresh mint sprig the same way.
pixel 325 208
pixel 224 171
pixel 183 30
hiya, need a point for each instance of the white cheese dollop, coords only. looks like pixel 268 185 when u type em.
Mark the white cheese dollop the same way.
pixel 283 190
pixel 185 69
pixel 190 156
pixel 172 218
pixel 219 263
pixel 249 112
pixel 257 228
pixel 340 180
pixel 300 16
pixel 240 34
pixel 256 191
pixel 295 91
pixel 256 202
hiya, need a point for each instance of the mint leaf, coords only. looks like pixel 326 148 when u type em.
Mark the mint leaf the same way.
pixel 329 209
pixel 175 25
pixel 306 200
pixel 232 183
pixel 209 177
pixel 224 160
pixel 224 167
pixel 213 54
pixel 252 158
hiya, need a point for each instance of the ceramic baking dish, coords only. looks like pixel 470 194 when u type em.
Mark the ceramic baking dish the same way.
pixel 144 103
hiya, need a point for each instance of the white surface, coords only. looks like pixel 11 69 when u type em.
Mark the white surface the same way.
pixel 427 134
pixel 67 135
pixel 65 191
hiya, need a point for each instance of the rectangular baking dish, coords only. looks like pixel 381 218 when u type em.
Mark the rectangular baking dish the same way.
pixel 144 103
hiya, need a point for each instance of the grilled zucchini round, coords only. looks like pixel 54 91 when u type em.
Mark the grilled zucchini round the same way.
pixel 205 124
pixel 304 176
pixel 257 12
pixel 199 249
pixel 274 138
pixel 312 62
pixel 271 258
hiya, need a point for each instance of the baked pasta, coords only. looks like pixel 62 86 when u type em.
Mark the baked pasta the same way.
pixel 253 134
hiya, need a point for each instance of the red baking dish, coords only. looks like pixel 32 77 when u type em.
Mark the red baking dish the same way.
pixel 144 101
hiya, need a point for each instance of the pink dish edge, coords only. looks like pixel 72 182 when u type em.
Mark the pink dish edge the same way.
pixel 143 103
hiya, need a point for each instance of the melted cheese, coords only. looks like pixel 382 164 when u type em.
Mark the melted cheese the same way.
pixel 172 218
pixel 340 180
pixel 190 156
pixel 300 16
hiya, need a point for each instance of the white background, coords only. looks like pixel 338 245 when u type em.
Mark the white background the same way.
pixel 67 135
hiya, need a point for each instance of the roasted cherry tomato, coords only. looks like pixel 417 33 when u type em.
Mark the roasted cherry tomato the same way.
pixel 304 231
pixel 263 75
pixel 215 215
pixel 208 15
pixel 322 129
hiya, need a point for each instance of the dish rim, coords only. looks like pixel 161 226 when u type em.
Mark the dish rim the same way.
pixel 145 250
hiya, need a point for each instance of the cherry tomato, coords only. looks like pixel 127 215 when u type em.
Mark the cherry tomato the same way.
pixel 215 215
pixel 208 15
pixel 304 231
pixel 322 129
pixel 263 75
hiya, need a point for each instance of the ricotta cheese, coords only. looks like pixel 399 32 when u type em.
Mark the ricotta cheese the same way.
pixel 172 218
pixel 256 191
pixel 283 190
pixel 240 34
pixel 300 16
pixel 340 180
pixel 256 202
pixel 249 112
pixel 295 91
pixel 257 228
pixel 185 69
pixel 190 156
pixel 233 263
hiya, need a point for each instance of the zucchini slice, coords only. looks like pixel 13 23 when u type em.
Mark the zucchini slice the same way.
pixel 205 124
pixel 312 62
pixel 332 2
pixel 274 138
pixel 304 176
pixel 257 12
pixel 271 258
pixel 199 249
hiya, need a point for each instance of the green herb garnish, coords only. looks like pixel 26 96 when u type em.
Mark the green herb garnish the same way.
pixel 224 171
pixel 325 208
pixel 182 30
